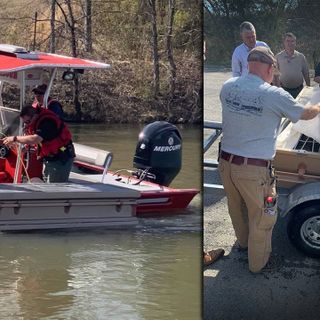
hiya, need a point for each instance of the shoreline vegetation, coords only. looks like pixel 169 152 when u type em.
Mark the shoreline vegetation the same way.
pixel 153 47
pixel 272 19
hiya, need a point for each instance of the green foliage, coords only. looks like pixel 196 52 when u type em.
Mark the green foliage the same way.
pixel 272 19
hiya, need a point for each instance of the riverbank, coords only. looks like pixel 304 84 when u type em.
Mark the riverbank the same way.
pixel 146 47
pixel 123 94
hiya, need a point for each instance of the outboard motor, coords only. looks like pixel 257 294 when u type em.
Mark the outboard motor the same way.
pixel 158 153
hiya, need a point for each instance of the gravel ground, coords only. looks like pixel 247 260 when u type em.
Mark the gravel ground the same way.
pixel 290 291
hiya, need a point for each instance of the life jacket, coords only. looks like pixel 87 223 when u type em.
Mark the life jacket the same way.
pixel 52 147
pixel 37 105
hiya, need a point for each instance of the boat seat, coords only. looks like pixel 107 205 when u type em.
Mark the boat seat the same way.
pixel 92 155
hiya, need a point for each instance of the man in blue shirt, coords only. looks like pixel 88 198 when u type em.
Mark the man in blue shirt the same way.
pixel 240 54
pixel 52 104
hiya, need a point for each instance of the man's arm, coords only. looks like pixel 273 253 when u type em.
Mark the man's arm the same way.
pixel 305 71
pixel 30 139
pixel 307 78
pixel 317 73
pixel 236 65
pixel 276 75
pixel 56 107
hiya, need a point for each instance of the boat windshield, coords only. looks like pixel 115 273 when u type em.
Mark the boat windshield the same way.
pixel 9 110
pixel 9 122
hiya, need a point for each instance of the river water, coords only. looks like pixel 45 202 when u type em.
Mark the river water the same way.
pixel 150 272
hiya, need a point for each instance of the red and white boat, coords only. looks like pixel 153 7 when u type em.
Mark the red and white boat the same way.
pixel 93 196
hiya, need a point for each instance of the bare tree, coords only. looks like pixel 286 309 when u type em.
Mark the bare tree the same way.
pixel 173 68
pixel 71 23
pixel 72 26
pixel 143 11
pixel 88 26
pixel 52 27
pixel 155 52
pixel 35 30
pixel 76 101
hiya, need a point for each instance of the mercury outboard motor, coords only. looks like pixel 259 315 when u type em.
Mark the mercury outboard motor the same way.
pixel 158 153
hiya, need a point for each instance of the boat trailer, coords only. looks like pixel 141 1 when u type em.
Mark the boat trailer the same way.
pixel 216 128
pixel 298 187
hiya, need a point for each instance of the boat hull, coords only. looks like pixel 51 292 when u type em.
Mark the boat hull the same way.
pixel 59 206
pixel 153 200
pixel 165 202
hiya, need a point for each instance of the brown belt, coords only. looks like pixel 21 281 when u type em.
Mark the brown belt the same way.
pixel 241 160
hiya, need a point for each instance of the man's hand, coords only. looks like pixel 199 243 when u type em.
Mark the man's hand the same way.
pixel 310 112
pixel 9 140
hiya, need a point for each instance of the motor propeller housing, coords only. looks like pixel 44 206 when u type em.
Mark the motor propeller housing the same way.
pixel 158 153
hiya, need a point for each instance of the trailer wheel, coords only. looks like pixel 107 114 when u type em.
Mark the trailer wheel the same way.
pixel 304 230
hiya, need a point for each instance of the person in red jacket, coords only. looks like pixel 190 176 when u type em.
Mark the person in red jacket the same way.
pixel 53 138
pixel 52 104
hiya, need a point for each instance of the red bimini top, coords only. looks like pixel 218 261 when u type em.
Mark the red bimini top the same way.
pixel 16 61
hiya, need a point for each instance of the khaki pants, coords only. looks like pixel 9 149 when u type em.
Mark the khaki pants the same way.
pixel 246 187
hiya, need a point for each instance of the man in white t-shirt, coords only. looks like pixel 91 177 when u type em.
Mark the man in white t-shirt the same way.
pixel 252 111
pixel 240 53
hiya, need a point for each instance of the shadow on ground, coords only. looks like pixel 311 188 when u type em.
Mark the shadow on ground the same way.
pixel 212 196
pixel 289 291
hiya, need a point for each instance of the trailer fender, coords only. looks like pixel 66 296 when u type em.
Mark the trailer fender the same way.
pixel 299 195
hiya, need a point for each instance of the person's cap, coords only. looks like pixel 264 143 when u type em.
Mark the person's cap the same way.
pixel 40 89
pixel 263 55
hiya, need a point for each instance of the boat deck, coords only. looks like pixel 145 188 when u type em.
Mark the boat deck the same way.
pixel 109 179
pixel 89 190
pixel 30 206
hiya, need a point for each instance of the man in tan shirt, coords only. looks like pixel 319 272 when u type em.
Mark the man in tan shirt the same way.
pixel 293 67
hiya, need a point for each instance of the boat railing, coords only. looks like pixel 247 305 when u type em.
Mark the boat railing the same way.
pixel 216 130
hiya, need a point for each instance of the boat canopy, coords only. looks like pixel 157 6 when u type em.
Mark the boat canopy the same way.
pixel 23 68
pixel 13 59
